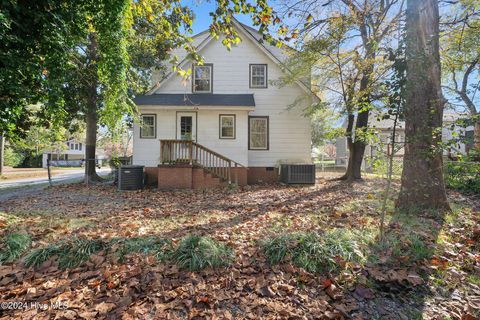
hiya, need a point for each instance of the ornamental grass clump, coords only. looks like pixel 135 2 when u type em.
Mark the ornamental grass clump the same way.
pixel 13 246
pixel 315 252
pixel 195 253
pixel 69 253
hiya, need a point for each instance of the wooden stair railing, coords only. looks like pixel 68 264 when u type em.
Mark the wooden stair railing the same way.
pixel 192 153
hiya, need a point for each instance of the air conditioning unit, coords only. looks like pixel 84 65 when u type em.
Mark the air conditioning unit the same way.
pixel 297 173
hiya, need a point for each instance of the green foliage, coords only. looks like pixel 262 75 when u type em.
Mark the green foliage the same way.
pixel 323 124
pixel 35 38
pixel 40 255
pixel 69 254
pixel 460 53
pixel 404 247
pixel 314 252
pixel 380 165
pixel 12 157
pixel 160 248
pixel 13 246
pixel 195 252
pixel 115 162
pixel 44 44
pixel 463 176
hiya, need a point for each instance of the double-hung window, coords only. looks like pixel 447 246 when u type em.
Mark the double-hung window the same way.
pixel 258 76
pixel 227 126
pixel 148 126
pixel 202 78
pixel 258 133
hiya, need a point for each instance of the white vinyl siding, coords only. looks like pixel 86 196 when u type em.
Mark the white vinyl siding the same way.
pixel 289 130
pixel 147 151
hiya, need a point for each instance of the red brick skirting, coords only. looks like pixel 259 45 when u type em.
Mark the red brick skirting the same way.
pixel 152 175
pixel 168 177
pixel 258 175
pixel 174 177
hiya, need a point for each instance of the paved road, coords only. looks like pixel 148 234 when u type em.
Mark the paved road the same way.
pixel 21 187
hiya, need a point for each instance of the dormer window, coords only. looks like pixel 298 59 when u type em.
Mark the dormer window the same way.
pixel 202 78
pixel 258 76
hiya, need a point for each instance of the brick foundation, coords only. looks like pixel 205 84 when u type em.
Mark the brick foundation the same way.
pixel 257 175
pixel 169 177
pixel 152 175
pixel 241 176
pixel 174 177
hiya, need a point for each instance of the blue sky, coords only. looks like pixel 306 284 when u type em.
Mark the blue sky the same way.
pixel 203 19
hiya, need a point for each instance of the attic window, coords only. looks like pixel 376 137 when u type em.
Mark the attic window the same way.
pixel 202 78
pixel 258 76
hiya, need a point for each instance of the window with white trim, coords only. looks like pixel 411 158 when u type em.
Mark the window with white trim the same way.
pixel 258 76
pixel 74 146
pixel 227 126
pixel 202 78
pixel 148 128
pixel 258 133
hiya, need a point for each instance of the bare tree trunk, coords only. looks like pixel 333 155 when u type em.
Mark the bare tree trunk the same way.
pixel 476 135
pixel 91 117
pixel 2 152
pixel 349 135
pixel 357 146
pixel 422 176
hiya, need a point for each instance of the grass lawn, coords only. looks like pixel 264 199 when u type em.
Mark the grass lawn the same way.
pixel 22 173
pixel 260 252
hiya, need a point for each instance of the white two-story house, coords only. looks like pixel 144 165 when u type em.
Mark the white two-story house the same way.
pixel 229 122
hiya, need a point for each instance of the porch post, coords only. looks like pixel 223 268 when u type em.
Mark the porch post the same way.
pixel 236 173
pixel 191 152
pixel 229 172
pixel 162 147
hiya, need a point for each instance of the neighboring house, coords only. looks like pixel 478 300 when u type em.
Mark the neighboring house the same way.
pixel 384 129
pixel 228 123
pixel 72 155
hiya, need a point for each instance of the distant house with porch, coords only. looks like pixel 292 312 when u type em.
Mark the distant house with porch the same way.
pixel 229 123
pixel 71 155
pixel 454 136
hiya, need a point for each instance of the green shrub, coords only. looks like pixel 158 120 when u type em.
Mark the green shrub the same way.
pixel 38 256
pixel 13 246
pixel 196 252
pixel 13 158
pixel 161 248
pixel 69 254
pixel 314 252
pixel 463 176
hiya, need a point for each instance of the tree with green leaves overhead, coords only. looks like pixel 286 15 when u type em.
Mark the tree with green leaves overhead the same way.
pixel 460 54
pixel 80 58
pixel 344 41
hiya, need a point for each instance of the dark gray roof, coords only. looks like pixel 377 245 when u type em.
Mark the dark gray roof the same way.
pixel 204 99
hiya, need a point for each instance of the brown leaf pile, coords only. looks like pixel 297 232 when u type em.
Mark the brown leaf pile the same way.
pixel 143 288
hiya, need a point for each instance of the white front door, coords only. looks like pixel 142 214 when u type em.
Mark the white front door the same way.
pixel 187 126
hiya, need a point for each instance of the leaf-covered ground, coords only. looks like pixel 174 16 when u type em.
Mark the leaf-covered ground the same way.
pixel 428 266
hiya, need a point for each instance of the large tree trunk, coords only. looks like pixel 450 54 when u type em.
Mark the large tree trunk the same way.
pixel 357 145
pixel 422 177
pixel 91 117
pixel 2 152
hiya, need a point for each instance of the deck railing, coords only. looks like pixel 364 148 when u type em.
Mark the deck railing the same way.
pixel 192 153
